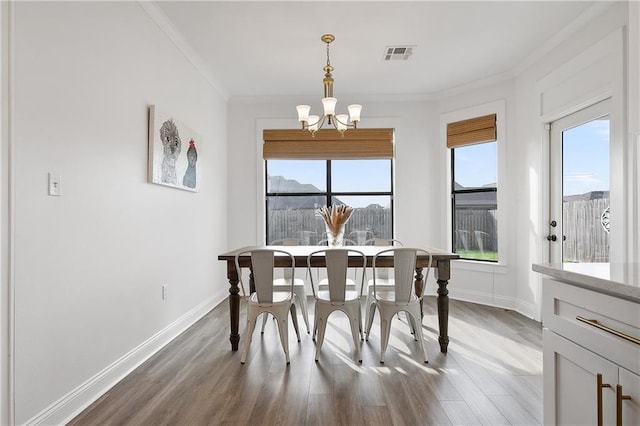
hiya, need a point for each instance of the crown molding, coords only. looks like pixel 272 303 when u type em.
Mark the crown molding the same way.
pixel 165 24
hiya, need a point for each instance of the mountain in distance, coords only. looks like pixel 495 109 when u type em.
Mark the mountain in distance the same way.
pixel 283 186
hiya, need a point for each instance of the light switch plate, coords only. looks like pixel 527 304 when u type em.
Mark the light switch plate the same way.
pixel 54 185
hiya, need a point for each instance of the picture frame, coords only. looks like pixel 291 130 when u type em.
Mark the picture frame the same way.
pixel 174 150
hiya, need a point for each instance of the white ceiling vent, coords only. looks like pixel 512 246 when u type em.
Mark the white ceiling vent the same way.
pixel 394 53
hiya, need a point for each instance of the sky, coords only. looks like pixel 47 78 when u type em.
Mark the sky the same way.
pixel 585 158
pixel 348 175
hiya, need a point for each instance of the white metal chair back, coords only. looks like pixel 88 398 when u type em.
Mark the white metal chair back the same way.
pixel 360 236
pixel 337 262
pixel 404 266
pixel 262 267
pixel 307 238
pixel 286 242
pixel 383 242
pixel 383 273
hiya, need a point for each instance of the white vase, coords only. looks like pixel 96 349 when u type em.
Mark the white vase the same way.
pixel 335 239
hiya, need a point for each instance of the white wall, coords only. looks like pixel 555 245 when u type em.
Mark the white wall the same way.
pixel 421 168
pixel 89 265
pixel 5 306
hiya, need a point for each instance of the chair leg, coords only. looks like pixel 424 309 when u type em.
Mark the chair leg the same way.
pixel 283 328
pixel 315 323
pixel 247 338
pixel 294 317
pixel 265 316
pixel 417 327
pixel 321 326
pixel 367 314
pixel 304 311
pixel 371 311
pixel 360 326
pixel 385 328
pixel 355 324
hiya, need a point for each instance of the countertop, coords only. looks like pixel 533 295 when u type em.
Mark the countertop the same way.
pixel 618 280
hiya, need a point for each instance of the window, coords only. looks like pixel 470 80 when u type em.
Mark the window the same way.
pixel 474 188
pixel 295 189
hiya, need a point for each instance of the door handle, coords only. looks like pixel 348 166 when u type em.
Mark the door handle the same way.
pixel 552 237
pixel 600 386
pixel 619 398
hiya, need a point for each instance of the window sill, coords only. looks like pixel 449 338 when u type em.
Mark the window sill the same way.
pixel 479 266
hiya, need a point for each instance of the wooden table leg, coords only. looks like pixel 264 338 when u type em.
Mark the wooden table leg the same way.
pixel 443 273
pixel 234 305
pixel 419 287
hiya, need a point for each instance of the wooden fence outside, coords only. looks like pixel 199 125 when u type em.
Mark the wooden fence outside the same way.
pixel 587 241
pixel 477 229
pixel 305 225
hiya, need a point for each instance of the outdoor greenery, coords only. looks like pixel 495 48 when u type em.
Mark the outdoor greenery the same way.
pixel 478 255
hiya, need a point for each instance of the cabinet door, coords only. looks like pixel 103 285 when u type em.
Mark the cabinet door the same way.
pixel 571 391
pixel 630 408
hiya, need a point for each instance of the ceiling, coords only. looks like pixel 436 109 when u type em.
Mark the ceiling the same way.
pixel 270 49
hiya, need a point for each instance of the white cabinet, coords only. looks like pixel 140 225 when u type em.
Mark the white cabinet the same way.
pixel 591 361
pixel 630 408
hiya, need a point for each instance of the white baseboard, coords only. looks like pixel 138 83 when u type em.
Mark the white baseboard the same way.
pixel 72 404
pixel 528 309
pixel 525 308
pixel 472 296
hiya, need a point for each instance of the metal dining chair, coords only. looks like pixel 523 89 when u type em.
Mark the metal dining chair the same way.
pixel 400 298
pixel 351 282
pixel 265 299
pixel 383 276
pixel 337 296
pixel 360 236
pixel 281 284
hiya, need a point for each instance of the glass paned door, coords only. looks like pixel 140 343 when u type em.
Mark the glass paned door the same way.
pixel 580 168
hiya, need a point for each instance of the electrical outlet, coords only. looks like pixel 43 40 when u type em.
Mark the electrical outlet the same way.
pixel 165 294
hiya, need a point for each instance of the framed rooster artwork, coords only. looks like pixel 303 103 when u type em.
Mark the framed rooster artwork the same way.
pixel 173 152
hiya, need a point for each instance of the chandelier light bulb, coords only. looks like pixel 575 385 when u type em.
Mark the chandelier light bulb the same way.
pixel 303 112
pixel 341 122
pixel 329 105
pixel 313 122
pixel 354 112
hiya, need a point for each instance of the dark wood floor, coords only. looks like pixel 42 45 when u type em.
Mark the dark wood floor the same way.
pixel 492 375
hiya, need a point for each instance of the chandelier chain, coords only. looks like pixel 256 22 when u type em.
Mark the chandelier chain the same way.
pixel 328 62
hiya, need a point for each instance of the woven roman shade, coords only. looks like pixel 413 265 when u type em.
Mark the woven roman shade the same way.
pixel 471 131
pixel 327 144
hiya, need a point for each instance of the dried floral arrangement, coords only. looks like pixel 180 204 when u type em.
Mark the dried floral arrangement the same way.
pixel 335 216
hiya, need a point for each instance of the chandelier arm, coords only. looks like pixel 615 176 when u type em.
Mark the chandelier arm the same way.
pixel 319 122
pixel 335 117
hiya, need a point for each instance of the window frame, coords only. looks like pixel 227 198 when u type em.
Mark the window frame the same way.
pixel 329 193
pixel 470 190
pixel 504 222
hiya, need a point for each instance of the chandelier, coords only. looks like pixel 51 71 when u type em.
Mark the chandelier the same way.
pixel 339 121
